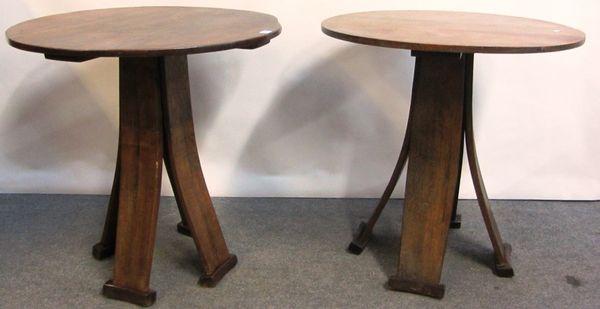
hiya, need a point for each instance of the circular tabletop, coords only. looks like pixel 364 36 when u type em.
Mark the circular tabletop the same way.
pixel 459 32
pixel 143 31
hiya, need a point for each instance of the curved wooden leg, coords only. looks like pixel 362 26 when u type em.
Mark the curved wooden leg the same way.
pixel 106 246
pixel 365 230
pixel 140 157
pixel 502 265
pixel 455 220
pixel 186 173
pixel 182 226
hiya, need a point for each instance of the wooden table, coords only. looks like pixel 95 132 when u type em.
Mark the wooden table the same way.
pixel 440 120
pixel 156 123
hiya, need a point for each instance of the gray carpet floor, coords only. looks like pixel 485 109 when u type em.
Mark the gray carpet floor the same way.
pixel 291 255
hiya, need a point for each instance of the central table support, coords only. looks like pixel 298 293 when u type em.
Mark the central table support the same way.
pixel 155 124
pixel 433 171
pixel 440 122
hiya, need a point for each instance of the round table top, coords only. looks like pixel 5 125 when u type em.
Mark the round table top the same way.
pixel 461 32
pixel 143 31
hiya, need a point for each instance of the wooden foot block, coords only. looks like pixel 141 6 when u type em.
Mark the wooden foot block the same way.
pixel 360 241
pixel 144 299
pixel 100 251
pixel 395 283
pixel 183 229
pixel 505 270
pixel 456 222
pixel 210 281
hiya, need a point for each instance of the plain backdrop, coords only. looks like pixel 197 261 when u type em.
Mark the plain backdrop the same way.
pixel 308 115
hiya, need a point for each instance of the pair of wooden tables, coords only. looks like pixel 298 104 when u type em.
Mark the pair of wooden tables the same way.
pixel 156 123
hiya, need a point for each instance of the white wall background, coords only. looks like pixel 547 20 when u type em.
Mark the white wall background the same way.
pixel 308 115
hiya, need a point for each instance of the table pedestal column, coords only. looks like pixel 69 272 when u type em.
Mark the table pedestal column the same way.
pixel 440 116
pixel 155 124
pixel 433 171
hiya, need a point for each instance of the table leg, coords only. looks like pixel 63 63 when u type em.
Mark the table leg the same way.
pixel 106 246
pixel 433 172
pixel 140 168
pixel 186 173
pixel 182 226
pixel 455 219
pixel 502 251
pixel 365 230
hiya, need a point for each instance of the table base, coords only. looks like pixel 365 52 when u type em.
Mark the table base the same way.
pixel 156 124
pixel 395 283
pixel 440 122
pixel 144 299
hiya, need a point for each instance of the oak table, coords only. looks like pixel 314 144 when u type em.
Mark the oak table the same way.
pixel 155 123
pixel 440 120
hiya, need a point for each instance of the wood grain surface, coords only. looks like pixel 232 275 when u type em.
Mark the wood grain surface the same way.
pixel 452 32
pixel 141 153
pixel 433 165
pixel 143 31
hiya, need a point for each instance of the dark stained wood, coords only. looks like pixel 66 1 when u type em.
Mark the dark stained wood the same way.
pixel 143 31
pixel 152 43
pixel 440 124
pixel 67 58
pixel 141 298
pixel 396 283
pixel 106 247
pixel 140 157
pixel 502 264
pixel 456 218
pixel 187 179
pixel 435 141
pixel 462 32
pixel 182 227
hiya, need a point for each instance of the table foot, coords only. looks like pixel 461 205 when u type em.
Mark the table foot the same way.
pixel 359 242
pixel 210 281
pixel 101 251
pixel 141 298
pixel 503 268
pixel 455 223
pixel 395 283
pixel 183 229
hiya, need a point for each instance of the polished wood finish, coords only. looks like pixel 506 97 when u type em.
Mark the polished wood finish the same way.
pixel 432 179
pixel 441 123
pixel 502 265
pixel 141 152
pixel 106 247
pixel 143 31
pixel 155 123
pixel 187 179
pixel 502 251
pixel 458 32
pixel 158 107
